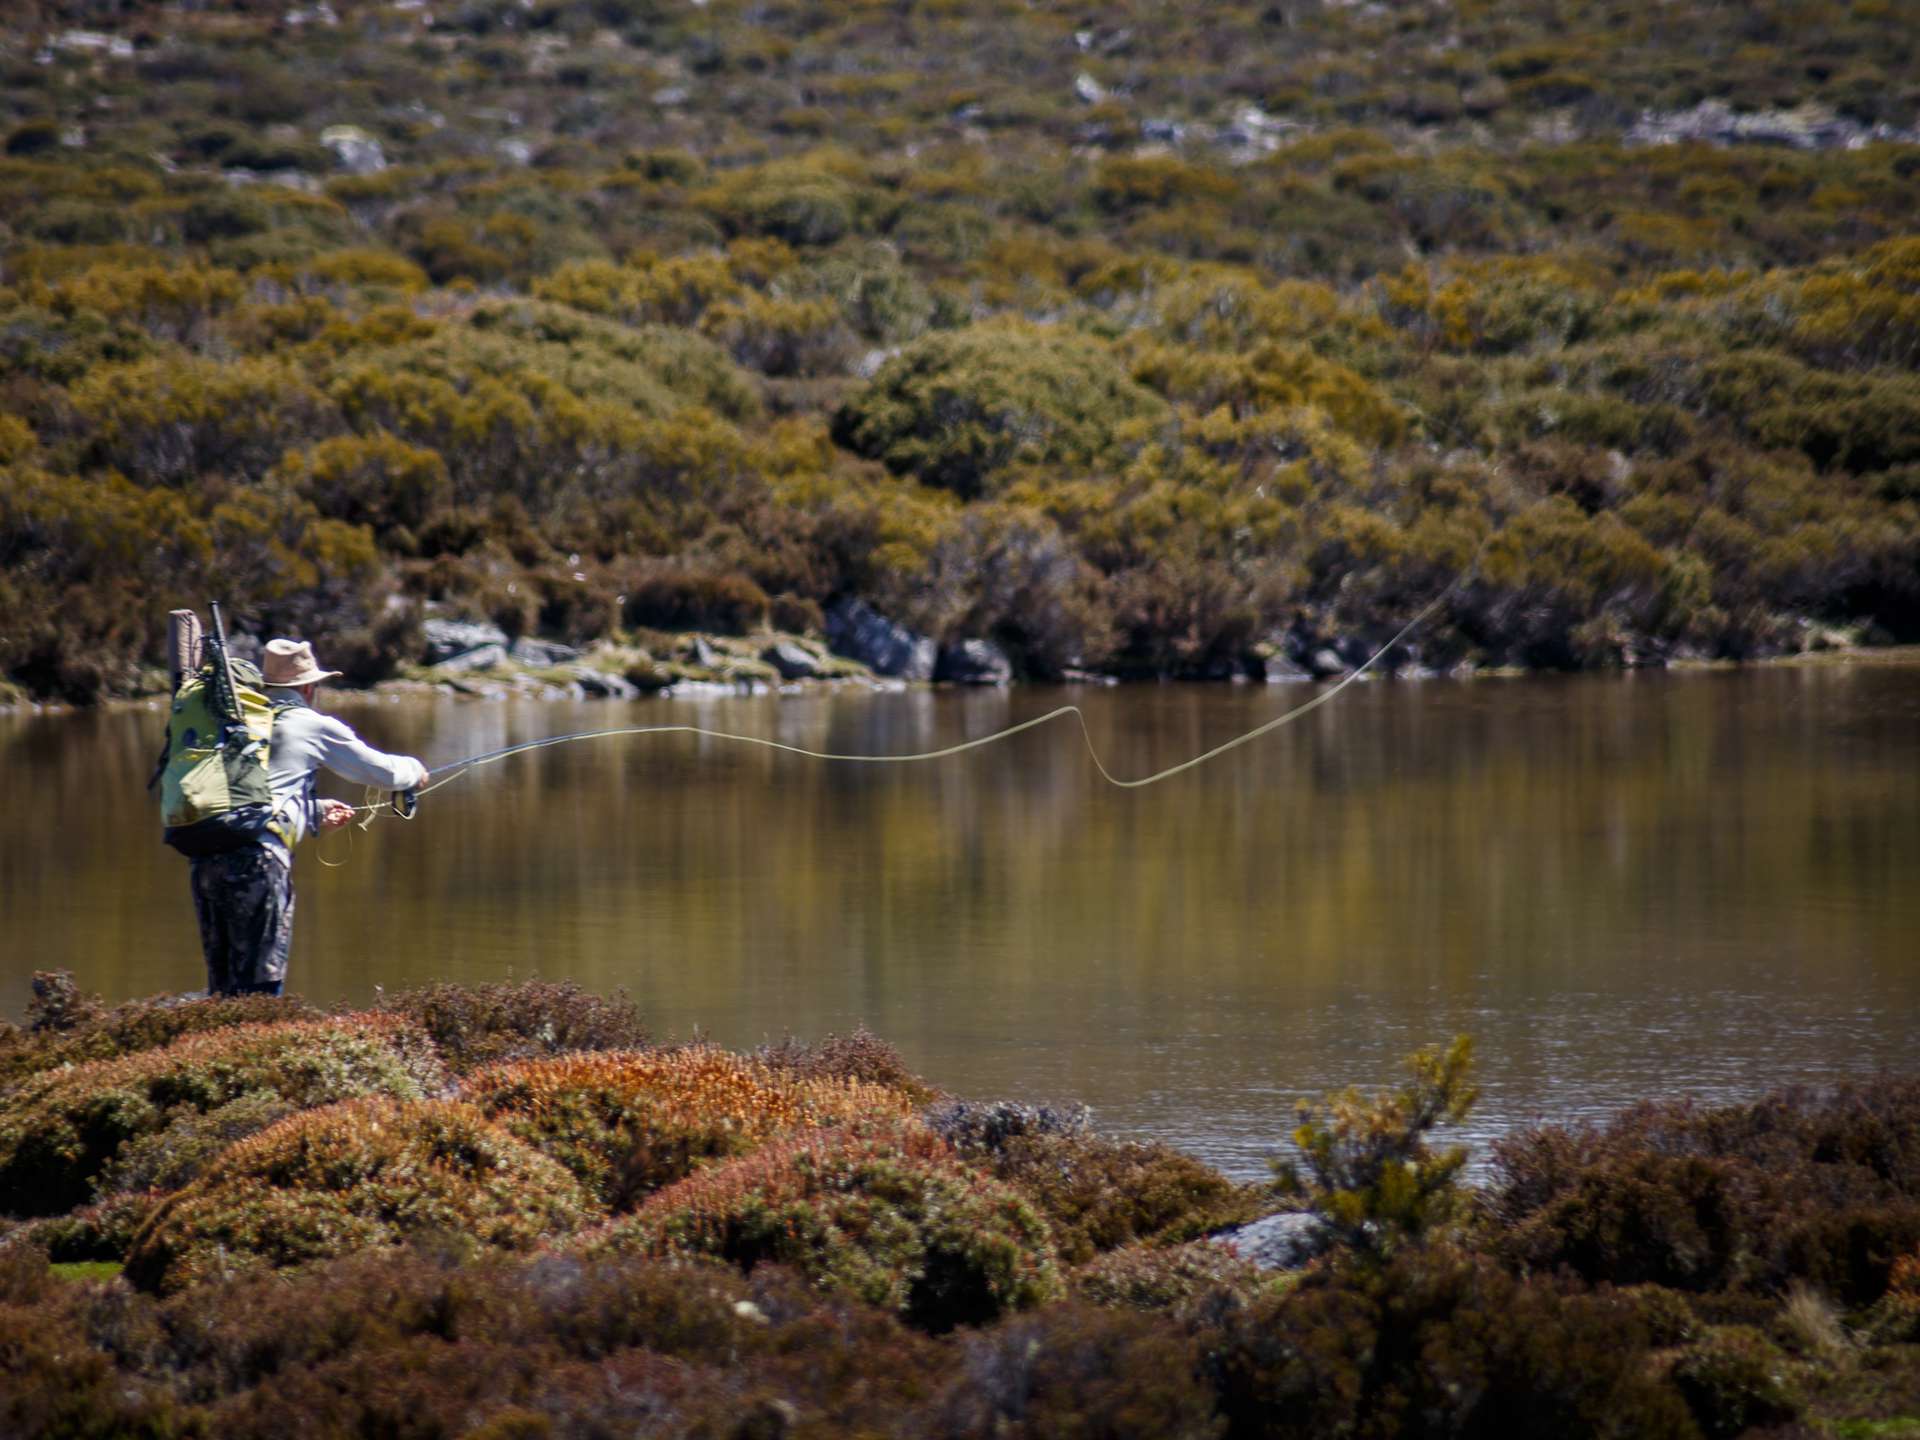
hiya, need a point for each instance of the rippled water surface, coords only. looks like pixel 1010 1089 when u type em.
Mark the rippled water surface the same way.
pixel 1701 884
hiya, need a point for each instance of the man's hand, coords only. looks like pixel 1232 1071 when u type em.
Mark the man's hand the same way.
pixel 334 814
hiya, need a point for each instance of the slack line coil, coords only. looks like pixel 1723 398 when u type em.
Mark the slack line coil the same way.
pixel 454 770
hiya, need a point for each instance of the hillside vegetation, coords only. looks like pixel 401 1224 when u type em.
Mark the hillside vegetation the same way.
pixel 1162 340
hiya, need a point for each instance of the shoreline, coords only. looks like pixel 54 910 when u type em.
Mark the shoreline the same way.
pixel 739 676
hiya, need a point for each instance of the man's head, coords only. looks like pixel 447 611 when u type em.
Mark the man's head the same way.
pixel 290 665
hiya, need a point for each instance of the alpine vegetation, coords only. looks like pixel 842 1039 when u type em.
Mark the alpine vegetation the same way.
pixel 227 1223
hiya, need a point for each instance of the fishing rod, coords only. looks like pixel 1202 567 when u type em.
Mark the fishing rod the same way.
pixel 403 804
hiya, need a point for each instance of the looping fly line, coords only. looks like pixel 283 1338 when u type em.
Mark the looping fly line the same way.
pixel 459 768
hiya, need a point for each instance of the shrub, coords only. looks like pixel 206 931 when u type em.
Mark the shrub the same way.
pixel 1895 1318
pixel 1819 1186
pixel 1149 1277
pixel 475 1025
pixel 1071 1370
pixel 676 598
pixel 628 1123
pixel 1365 1167
pixel 958 409
pixel 62 1130
pixel 1736 1379
pixel 862 1056
pixel 1436 1344
pixel 99 1232
pixel 883 1214
pixel 1099 1194
pixel 57 1003
pixel 361 1174
pixel 86 1030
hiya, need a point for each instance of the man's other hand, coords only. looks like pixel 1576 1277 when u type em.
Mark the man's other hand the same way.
pixel 334 814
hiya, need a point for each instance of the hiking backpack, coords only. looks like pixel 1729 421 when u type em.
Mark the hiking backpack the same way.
pixel 214 795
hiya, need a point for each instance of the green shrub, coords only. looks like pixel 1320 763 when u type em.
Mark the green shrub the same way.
pixel 101 1232
pixel 1735 1379
pixel 1150 1278
pixel 363 1174
pixel 885 1215
pixel 1099 1194
pixel 958 409
pixel 1364 1165
pixel 63 1131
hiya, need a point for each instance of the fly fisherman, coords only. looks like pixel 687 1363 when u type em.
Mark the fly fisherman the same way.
pixel 244 897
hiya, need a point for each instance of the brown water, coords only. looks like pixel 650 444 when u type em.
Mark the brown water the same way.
pixel 1694 884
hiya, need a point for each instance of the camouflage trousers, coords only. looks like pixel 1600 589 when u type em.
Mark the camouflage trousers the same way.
pixel 244 900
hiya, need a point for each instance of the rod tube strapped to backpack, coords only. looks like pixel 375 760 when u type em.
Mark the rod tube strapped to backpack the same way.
pixel 185 648
pixel 226 697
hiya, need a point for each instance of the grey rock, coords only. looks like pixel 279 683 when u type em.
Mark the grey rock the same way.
pixel 354 150
pixel 448 638
pixel 1163 131
pixel 973 662
pixel 703 654
pixel 1281 670
pixel 857 630
pixel 790 660
pixel 1326 661
pixel 1088 90
pixel 1277 1242
pixel 990 1124
pixel 483 657
pixel 1714 122
pixel 601 685
pixel 527 651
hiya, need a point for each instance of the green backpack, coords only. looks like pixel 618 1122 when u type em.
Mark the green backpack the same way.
pixel 214 795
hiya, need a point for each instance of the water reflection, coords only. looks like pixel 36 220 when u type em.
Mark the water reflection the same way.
pixel 1626 886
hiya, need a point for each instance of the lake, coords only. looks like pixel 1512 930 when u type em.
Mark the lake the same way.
pixel 1679 884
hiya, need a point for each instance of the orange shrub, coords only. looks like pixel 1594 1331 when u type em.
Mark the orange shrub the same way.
pixel 627 1123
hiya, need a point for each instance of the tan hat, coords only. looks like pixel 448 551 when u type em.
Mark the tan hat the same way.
pixel 291 662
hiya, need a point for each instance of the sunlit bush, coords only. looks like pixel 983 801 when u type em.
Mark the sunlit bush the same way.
pixel 61 1130
pixel 628 1123
pixel 360 1175
pixel 956 410
pixel 883 1213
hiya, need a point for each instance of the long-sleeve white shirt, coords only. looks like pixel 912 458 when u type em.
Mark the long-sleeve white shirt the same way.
pixel 305 741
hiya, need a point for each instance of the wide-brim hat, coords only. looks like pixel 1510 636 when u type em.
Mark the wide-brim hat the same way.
pixel 291 662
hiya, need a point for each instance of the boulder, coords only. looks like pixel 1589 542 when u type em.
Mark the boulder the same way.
pixel 1277 1242
pixel 855 629
pixel 1280 669
pixel 1326 661
pixel 601 685
pixel 448 638
pixel 481 657
pixel 790 660
pixel 354 150
pixel 973 662
pixel 542 653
